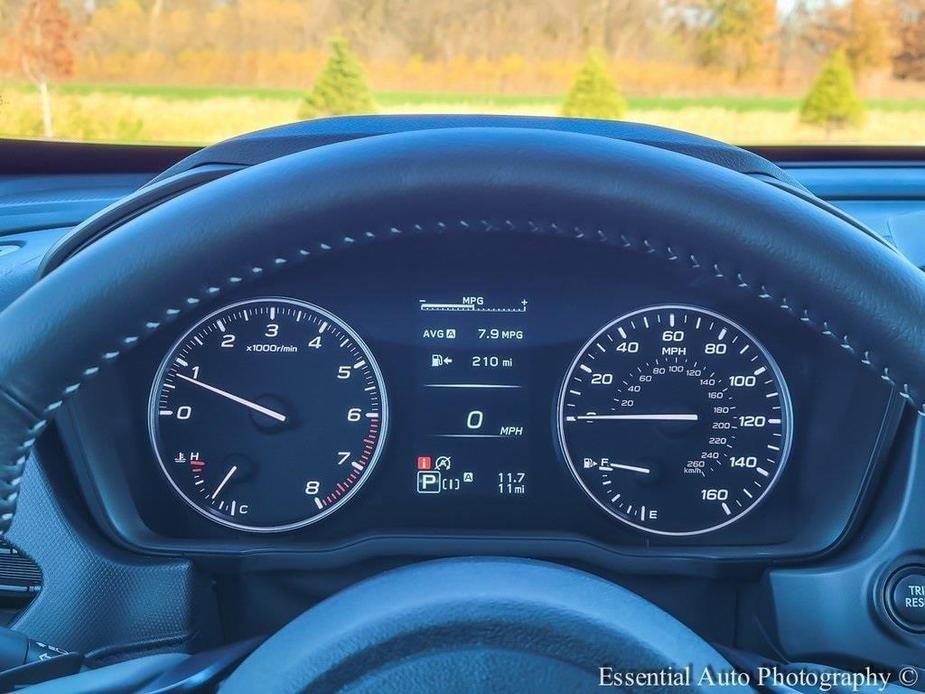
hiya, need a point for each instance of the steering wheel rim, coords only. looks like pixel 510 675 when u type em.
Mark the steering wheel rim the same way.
pixel 475 624
pixel 162 264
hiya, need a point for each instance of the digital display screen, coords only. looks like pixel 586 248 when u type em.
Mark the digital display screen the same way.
pixel 473 396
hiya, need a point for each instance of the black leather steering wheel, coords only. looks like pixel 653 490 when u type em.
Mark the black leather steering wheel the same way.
pixel 479 625
pixel 187 252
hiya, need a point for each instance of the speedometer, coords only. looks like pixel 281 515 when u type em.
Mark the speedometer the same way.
pixel 675 420
pixel 268 414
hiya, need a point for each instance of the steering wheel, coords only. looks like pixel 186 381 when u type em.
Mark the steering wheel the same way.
pixel 478 625
pixel 491 615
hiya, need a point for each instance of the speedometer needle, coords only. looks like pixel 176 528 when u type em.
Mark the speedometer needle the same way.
pixel 650 417
pixel 241 401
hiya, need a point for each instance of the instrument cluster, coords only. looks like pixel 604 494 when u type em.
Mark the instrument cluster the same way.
pixel 542 391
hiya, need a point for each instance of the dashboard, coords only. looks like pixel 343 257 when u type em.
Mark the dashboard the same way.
pixel 462 394
pixel 533 395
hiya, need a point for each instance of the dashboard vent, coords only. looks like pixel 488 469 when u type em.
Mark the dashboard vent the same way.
pixel 20 577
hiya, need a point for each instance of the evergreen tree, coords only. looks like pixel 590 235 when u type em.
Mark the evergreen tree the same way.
pixel 594 94
pixel 832 101
pixel 341 87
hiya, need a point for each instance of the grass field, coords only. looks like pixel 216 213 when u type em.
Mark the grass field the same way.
pixel 197 115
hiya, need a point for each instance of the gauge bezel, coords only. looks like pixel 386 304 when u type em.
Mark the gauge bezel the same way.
pixel 786 413
pixel 383 418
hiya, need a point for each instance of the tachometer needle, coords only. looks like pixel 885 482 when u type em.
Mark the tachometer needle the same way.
pixel 648 417
pixel 224 481
pixel 241 401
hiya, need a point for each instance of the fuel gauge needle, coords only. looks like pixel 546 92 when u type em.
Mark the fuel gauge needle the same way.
pixel 631 468
pixel 234 398
pixel 224 481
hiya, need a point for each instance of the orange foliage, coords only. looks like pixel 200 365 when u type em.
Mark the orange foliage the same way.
pixel 503 47
pixel 511 74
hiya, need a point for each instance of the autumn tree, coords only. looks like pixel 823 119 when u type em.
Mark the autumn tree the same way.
pixel 594 94
pixel 909 59
pixel 737 33
pixel 832 101
pixel 44 45
pixel 341 87
pixel 861 27
pixel 154 23
pixel 867 47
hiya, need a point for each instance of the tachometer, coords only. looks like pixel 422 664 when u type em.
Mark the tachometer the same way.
pixel 268 414
pixel 675 420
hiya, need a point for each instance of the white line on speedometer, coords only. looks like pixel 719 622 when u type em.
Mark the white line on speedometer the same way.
pixel 652 417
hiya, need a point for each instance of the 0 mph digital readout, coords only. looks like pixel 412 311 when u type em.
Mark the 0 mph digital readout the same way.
pixel 472 397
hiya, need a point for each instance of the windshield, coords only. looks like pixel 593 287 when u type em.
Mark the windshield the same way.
pixel 197 71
